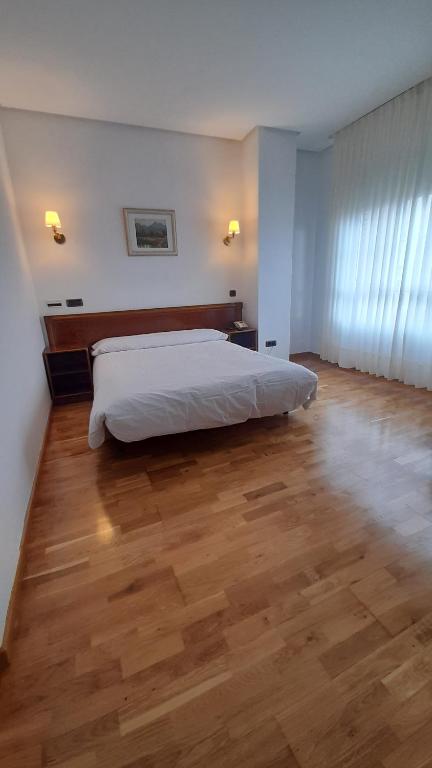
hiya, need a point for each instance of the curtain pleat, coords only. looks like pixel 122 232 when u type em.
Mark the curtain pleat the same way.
pixel 378 302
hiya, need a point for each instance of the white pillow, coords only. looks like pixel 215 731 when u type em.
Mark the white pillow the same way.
pixel 148 340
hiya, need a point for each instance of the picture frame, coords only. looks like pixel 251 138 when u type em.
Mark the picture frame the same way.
pixel 150 232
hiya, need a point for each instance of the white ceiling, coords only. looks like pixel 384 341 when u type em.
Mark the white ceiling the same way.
pixel 216 67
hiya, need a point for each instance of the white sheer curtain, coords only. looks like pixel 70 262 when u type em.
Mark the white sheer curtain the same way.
pixel 378 304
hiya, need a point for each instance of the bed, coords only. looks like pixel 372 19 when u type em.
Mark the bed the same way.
pixel 147 385
pixel 171 382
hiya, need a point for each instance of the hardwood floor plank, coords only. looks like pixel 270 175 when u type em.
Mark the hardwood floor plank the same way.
pixel 148 716
pixel 141 653
pixel 414 752
pixel 345 654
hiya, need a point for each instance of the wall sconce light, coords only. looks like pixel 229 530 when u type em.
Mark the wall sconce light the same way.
pixel 233 230
pixel 52 220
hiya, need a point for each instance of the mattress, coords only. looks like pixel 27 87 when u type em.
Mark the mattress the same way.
pixel 164 390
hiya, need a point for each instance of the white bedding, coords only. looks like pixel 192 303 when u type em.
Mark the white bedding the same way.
pixel 164 390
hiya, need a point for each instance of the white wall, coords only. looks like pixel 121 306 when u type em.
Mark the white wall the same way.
pixel 305 234
pixel 249 226
pixel 88 171
pixel 24 399
pixel 312 195
pixel 324 183
pixel 269 168
pixel 277 172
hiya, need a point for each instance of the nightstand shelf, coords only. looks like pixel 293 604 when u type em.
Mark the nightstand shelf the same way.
pixel 69 374
pixel 247 338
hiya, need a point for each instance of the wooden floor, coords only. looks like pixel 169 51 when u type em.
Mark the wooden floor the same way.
pixel 256 596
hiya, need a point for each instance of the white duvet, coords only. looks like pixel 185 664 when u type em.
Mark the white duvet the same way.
pixel 141 393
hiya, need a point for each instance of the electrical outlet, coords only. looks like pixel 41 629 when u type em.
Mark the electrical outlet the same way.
pixel 74 302
pixel 271 343
pixel 233 292
pixel 54 303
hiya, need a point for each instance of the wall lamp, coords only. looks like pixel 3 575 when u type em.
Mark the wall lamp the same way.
pixel 233 230
pixel 52 220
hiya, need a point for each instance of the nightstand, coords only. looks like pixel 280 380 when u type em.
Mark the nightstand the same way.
pixel 247 338
pixel 69 374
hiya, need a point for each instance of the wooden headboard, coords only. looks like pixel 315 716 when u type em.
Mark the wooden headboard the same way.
pixel 82 330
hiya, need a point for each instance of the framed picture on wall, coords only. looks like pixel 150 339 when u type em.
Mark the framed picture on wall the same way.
pixel 150 232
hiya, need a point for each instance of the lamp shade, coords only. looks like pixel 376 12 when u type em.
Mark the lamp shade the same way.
pixel 52 219
pixel 234 227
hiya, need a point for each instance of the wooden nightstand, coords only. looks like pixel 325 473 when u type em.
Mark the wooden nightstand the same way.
pixel 69 374
pixel 247 338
